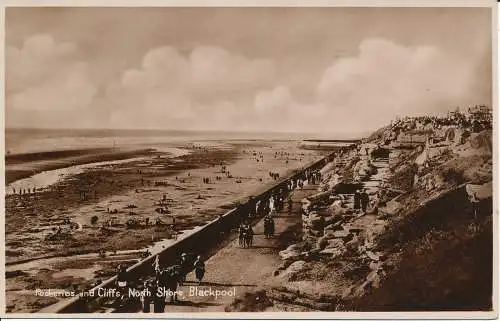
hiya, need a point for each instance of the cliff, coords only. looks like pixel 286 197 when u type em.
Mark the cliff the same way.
pixel 418 245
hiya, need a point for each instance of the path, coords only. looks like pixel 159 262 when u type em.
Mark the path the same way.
pixel 243 269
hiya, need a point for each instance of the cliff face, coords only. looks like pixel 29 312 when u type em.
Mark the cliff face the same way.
pixel 418 244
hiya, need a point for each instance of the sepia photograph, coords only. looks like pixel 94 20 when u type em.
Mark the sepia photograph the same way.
pixel 267 160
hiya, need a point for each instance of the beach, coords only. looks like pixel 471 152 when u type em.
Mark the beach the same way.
pixel 93 209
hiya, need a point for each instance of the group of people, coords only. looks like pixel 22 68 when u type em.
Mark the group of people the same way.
pixel 24 191
pixel 274 175
pixel 206 180
pixel 476 118
pixel 312 177
pixel 245 234
pixel 169 277
pixel 361 200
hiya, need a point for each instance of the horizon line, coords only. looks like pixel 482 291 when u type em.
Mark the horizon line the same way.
pixel 357 134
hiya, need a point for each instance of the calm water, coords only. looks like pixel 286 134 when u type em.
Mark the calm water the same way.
pixel 19 141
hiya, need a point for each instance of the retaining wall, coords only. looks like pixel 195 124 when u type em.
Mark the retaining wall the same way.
pixel 199 241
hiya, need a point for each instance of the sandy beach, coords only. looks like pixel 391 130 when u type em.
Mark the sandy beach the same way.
pixel 124 207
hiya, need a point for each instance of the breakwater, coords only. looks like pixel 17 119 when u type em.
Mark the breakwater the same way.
pixel 202 240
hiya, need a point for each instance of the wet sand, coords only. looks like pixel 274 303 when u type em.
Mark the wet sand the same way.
pixel 133 190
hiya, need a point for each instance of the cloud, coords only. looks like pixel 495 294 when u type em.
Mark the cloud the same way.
pixel 204 70
pixel 273 102
pixel 387 79
pixel 44 75
pixel 204 86
pixel 214 68
pixel 211 88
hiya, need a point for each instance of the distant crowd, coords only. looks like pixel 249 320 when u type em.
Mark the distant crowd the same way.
pixel 476 118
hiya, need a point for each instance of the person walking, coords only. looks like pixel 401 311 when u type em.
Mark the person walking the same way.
pixel 147 296
pixel 156 265
pixel 158 301
pixel 365 200
pixel 475 204
pixel 199 268
pixel 357 199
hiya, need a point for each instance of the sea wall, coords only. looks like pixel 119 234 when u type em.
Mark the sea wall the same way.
pixel 200 241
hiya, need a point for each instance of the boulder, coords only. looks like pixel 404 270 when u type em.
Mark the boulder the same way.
pixel 341 233
pixel 333 252
pixel 336 208
pixel 391 208
pixel 328 234
pixel 335 226
pixel 316 221
pixel 373 256
pixel 334 243
pixel 373 278
pixel 291 253
pixel 332 219
pixel 375 265
pixel 316 233
pixel 321 243
pixel 353 244
pixel 293 270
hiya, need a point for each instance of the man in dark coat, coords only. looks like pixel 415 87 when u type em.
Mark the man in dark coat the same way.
pixel 365 199
pixel 357 200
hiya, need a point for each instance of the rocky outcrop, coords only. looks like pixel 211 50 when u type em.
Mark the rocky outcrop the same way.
pixel 293 270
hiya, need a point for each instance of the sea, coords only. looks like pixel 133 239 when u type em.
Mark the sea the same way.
pixel 21 141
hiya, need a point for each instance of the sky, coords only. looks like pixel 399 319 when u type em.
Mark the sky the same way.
pixel 324 70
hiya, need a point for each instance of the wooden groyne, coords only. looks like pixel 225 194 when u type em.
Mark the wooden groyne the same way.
pixel 203 240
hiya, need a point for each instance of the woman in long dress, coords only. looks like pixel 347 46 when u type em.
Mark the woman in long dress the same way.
pixel 199 268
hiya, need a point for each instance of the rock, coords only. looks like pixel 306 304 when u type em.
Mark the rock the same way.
pixel 322 243
pixel 329 234
pixel 334 227
pixel 356 230
pixel 334 243
pixel 347 292
pixel 375 265
pixel 373 256
pixel 373 278
pixel 333 252
pixel 284 265
pixel 316 233
pixel 391 208
pixel 341 233
pixel 293 247
pixel 353 244
pixel 332 219
pixel 291 253
pixel 317 222
pixel 291 272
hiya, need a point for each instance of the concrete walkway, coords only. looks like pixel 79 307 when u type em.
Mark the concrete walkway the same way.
pixel 237 269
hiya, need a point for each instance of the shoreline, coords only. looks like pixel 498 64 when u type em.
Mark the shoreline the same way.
pixel 21 166
pixel 195 205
